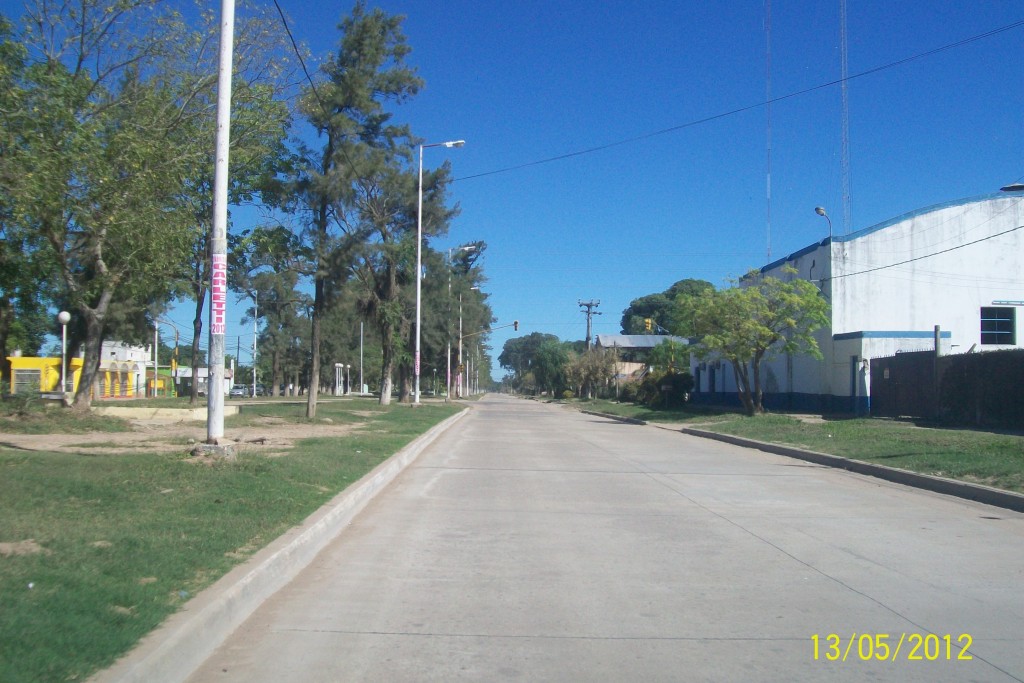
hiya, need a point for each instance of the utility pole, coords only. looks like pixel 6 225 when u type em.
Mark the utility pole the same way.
pixel 218 235
pixel 590 312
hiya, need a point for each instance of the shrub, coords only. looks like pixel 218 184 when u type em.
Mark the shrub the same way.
pixel 651 391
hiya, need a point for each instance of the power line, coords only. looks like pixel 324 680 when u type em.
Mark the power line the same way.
pixel 918 258
pixel 740 110
pixel 302 62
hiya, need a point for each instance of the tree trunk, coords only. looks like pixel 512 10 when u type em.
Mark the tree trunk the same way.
pixel 6 318
pixel 743 387
pixel 197 332
pixel 314 360
pixel 405 380
pixel 91 361
pixel 387 367
pixel 758 394
pixel 276 372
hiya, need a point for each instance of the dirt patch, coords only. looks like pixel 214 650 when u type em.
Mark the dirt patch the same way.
pixel 269 435
pixel 29 547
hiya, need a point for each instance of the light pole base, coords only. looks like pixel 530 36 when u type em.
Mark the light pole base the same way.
pixel 216 451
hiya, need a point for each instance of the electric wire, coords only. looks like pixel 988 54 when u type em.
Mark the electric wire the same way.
pixel 923 256
pixel 740 110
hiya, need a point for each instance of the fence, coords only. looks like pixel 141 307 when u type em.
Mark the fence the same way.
pixel 977 388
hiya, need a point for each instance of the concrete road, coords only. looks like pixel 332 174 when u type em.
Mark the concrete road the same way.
pixel 533 543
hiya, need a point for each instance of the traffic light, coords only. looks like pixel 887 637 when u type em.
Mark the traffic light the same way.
pixel 647 324
pixel 515 325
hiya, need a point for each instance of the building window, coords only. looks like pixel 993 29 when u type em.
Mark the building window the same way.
pixel 998 326
pixel 27 381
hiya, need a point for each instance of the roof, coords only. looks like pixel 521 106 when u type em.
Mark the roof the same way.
pixel 637 341
pixel 1002 194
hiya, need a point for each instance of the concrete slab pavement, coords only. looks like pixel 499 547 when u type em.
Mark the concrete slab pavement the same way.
pixel 535 543
pixel 175 649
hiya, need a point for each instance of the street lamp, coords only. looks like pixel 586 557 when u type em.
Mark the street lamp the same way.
pixel 63 318
pixel 462 367
pixel 255 330
pixel 419 258
pixel 448 379
pixel 820 210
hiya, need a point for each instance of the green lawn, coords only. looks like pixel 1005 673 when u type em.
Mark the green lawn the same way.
pixel 969 455
pixel 127 539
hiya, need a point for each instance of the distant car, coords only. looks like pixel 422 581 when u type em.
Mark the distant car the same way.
pixel 239 391
pixel 261 390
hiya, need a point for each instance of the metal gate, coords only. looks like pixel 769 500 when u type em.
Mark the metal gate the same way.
pixel 904 385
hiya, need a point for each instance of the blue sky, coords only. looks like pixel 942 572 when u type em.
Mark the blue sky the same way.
pixel 531 80
pixel 528 81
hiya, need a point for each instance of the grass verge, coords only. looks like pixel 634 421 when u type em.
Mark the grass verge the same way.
pixel 119 542
pixel 978 457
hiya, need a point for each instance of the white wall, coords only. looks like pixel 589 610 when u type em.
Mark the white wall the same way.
pixel 936 266
pixel 968 264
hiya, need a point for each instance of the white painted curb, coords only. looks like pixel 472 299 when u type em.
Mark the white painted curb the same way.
pixel 173 651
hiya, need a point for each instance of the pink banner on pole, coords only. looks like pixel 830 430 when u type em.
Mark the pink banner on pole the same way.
pixel 219 295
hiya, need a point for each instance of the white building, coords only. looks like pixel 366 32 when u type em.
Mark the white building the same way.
pixel 957 266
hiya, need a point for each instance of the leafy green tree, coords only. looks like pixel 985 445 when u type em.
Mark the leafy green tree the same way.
pixel 518 356
pixel 591 369
pixel 550 364
pixel 113 129
pixel 23 267
pixel 754 321
pixel 669 355
pixel 662 309
pixel 354 188
pixel 99 160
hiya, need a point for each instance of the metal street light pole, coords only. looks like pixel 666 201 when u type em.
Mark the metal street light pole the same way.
pixel 419 260
pixel 255 327
pixel 448 379
pixel 460 386
pixel 63 318
pixel 820 210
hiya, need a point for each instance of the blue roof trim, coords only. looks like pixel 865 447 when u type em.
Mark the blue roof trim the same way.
pixel 926 210
pixel 892 221
pixel 890 334
pixel 795 255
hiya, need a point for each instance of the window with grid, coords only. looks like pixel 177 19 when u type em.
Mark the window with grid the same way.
pixel 998 325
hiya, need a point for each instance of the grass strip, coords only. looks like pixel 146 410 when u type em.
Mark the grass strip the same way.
pixel 974 456
pixel 119 542
pixel 979 457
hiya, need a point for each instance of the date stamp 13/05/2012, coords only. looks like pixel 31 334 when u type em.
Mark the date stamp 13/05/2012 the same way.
pixel 891 647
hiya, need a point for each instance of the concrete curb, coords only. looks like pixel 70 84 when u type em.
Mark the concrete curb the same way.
pixel 960 489
pixel 618 418
pixel 186 639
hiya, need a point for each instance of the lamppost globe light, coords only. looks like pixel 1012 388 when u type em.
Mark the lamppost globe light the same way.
pixel 820 210
pixel 63 318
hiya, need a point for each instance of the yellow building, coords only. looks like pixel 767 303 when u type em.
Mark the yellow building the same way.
pixel 31 374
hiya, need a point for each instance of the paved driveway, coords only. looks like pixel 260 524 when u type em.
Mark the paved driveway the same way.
pixel 533 543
